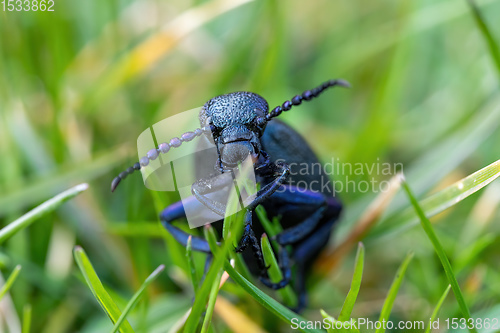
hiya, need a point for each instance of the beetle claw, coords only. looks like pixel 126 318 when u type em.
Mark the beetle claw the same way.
pixel 279 285
pixel 241 247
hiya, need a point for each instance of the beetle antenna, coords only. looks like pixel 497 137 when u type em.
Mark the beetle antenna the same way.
pixel 306 96
pixel 151 155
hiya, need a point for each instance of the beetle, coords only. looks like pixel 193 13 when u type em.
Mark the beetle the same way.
pixel 241 125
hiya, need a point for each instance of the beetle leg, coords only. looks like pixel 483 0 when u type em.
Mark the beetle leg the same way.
pixel 291 198
pixel 298 232
pixel 176 211
pixel 300 283
pixel 248 238
pixel 245 238
pixel 281 170
pixel 266 163
pixel 308 249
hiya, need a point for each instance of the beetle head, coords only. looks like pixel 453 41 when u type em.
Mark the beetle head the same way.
pixel 236 122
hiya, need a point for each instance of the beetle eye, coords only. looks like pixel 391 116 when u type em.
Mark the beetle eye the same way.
pixel 260 122
pixel 208 121
pixel 213 128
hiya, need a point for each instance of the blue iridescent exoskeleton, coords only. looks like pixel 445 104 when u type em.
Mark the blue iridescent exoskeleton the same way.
pixel 240 125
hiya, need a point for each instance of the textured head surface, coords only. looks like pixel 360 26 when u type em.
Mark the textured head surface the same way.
pixel 237 108
pixel 237 121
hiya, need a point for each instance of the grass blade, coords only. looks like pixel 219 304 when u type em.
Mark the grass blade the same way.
pixel 211 303
pixel 191 266
pixel 201 296
pixel 39 211
pixel 393 291
pixel 426 225
pixel 133 301
pixel 26 319
pixel 436 309
pixel 100 294
pixel 10 281
pixel 461 189
pixel 488 36
pixel 231 231
pixel 274 271
pixel 220 254
pixel 272 228
pixel 333 324
pixel 269 303
pixel 427 170
pixel 441 200
pixel 211 238
pixel 345 312
pixel 37 190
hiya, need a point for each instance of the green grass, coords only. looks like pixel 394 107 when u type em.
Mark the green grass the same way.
pixel 487 34
pixel 133 301
pixel 426 225
pixel 78 85
pixel 345 312
pixel 99 292
pixel 26 319
pixel 10 281
pixel 350 301
pixel 287 294
pixel 437 308
pixel 393 291
pixel 276 308
pixel 192 269
pixel 215 283
pixel 41 210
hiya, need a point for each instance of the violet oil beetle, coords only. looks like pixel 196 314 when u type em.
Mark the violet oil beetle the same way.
pixel 241 125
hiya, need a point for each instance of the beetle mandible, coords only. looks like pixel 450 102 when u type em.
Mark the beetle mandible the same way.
pixel 240 125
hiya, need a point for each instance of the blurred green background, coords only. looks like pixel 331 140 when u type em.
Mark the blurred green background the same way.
pixel 78 85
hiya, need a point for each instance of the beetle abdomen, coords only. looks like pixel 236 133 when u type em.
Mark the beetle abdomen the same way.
pixel 283 143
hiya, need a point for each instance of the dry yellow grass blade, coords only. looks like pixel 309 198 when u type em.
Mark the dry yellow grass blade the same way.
pixel 330 259
pixel 237 321
pixel 177 327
